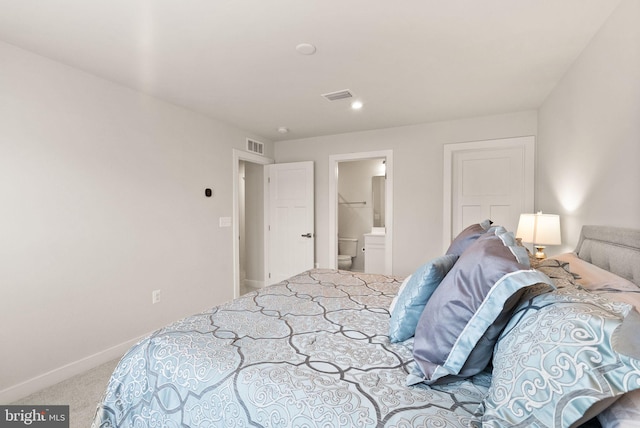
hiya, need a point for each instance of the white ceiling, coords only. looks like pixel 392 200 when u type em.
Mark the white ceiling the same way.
pixel 409 61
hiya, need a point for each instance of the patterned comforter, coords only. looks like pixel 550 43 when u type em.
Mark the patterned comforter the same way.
pixel 312 351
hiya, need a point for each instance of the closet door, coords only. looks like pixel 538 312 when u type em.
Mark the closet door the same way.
pixel 488 179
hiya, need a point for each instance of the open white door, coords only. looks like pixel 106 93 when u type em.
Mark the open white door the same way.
pixel 290 228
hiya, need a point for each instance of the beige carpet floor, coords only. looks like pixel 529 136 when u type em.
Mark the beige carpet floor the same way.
pixel 82 393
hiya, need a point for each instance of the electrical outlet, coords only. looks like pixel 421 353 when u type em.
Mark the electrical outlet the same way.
pixel 155 296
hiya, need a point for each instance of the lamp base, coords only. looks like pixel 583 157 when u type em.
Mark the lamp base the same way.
pixel 540 252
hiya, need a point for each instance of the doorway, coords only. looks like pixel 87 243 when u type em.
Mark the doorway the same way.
pixel 336 200
pixel 248 221
pixel 361 191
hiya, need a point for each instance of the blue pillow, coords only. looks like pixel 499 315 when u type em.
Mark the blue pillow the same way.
pixel 400 290
pixel 413 297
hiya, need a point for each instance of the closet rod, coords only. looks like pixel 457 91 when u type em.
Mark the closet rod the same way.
pixel 352 203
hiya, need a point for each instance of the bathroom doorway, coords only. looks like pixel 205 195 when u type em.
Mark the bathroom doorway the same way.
pixel 361 205
pixel 359 190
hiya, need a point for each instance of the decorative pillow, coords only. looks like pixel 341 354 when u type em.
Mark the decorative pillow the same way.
pixel 561 354
pixel 394 302
pixel 624 413
pixel 461 322
pixel 558 271
pixel 600 281
pixel 468 237
pixel 414 296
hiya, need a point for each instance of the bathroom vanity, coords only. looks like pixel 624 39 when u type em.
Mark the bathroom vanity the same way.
pixel 374 254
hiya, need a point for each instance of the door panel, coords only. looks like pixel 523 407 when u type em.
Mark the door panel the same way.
pixel 291 219
pixel 487 184
pixel 487 179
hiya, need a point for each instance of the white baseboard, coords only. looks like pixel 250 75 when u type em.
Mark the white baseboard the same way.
pixel 35 384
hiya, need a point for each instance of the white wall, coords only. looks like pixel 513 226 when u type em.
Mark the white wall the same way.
pixel 589 133
pixel 101 202
pixel 418 162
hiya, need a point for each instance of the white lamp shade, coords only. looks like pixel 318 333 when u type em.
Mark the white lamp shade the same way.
pixel 541 229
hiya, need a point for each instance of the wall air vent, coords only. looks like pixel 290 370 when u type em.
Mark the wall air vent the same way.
pixel 255 146
pixel 338 95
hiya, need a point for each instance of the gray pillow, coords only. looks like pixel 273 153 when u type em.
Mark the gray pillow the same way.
pixel 465 315
pixel 468 237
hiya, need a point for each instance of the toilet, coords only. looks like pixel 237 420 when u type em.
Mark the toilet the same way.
pixel 347 250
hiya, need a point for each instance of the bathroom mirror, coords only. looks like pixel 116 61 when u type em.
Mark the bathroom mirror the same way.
pixel 378 185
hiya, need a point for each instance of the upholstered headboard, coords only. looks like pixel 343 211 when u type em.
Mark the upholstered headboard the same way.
pixel 614 249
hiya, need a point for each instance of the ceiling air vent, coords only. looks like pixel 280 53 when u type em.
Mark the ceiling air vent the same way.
pixel 338 95
pixel 255 146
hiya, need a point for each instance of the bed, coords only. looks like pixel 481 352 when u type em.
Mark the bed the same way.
pixel 330 348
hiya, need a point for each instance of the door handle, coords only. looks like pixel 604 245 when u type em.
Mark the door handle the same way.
pixel 306 235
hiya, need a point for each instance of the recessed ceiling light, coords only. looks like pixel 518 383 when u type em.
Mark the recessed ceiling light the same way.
pixel 356 105
pixel 306 49
pixel 283 130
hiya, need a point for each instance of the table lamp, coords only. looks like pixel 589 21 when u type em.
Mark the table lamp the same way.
pixel 540 230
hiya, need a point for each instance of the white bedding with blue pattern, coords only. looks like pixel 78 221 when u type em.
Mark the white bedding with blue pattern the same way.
pixel 312 351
